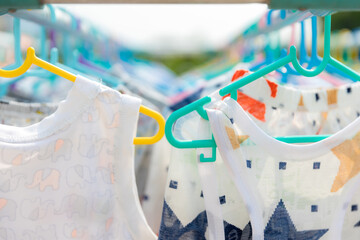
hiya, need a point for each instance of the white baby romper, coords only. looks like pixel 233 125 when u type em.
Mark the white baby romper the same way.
pixel 71 176
pixel 287 111
pixel 290 191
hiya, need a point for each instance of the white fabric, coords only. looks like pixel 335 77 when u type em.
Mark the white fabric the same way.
pixel 184 215
pixel 209 183
pixel 287 110
pixel 72 174
pixel 285 194
pixel 153 197
pixel 155 185
pixel 288 118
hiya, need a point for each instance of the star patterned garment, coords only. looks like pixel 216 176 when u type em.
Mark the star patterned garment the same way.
pixel 184 197
pixel 71 175
pixel 281 220
pixel 291 191
pixel 287 110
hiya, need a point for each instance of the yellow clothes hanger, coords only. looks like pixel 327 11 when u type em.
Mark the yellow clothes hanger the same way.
pixel 31 58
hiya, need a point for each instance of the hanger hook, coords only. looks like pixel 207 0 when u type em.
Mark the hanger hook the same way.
pixel 268 23
pixel 53 20
pixel 326 58
pixel 30 57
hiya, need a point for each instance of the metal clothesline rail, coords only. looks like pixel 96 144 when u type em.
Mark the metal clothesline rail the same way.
pixel 338 5
pixel 62 21
pixel 151 1
pixel 277 23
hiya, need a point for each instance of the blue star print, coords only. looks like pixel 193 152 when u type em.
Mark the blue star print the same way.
pixel 232 232
pixel 281 227
pixel 171 227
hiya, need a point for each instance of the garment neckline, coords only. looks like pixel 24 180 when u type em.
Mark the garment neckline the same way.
pixel 79 96
pixel 301 98
pixel 286 150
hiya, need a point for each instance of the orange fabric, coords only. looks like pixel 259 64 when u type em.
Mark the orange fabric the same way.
pixel 249 104
pixel 301 102
pixel 252 106
pixel 238 74
pixel 232 137
pixel 331 96
pixel 273 87
pixel 348 154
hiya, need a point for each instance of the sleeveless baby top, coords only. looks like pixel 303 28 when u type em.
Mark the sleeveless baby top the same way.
pixel 291 191
pixel 71 175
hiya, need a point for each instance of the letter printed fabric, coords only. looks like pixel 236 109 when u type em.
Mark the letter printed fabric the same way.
pixel 291 191
pixel 71 175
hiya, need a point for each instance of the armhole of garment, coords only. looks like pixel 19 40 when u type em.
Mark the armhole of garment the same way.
pixel 135 221
pixel 209 183
pixel 238 175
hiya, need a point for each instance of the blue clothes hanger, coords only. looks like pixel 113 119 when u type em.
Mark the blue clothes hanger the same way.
pixel 71 58
pixel 302 59
pixel 18 59
pixel 285 71
pixel 232 89
pixel 269 56
pixel 315 60
pixel 43 75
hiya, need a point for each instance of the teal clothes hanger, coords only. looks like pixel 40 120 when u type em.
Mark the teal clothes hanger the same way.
pixel 17 46
pixel 303 58
pixel 43 75
pixel 18 59
pixel 232 89
pixel 274 53
pixel 4 86
pixel 315 60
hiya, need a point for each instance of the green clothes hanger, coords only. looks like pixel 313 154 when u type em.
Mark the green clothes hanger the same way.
pixel 232 89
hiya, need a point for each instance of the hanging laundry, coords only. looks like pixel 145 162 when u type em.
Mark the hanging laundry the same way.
pixel 72 174
pixel 268 171
pixel 23 114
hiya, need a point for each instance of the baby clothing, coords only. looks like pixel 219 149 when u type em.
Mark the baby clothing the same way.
pixel 24 114
pixel 283 111
pixel 184 213
pixel 290 191
pixel 71 176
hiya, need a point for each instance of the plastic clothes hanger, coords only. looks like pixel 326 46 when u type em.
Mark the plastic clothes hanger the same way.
pixel 31 58
pixel 270 52
pixel 315 60
pixel 18 58
pixel 288 69
pixel 232 89
pixel 41 73
pixel 269 56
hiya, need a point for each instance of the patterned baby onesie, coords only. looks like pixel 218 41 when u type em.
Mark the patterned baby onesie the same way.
pixel 184 213
pixel 291 191
pixel 283 111
pixel 71 176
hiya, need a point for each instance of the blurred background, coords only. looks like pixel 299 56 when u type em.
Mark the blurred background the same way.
pixel 180 36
